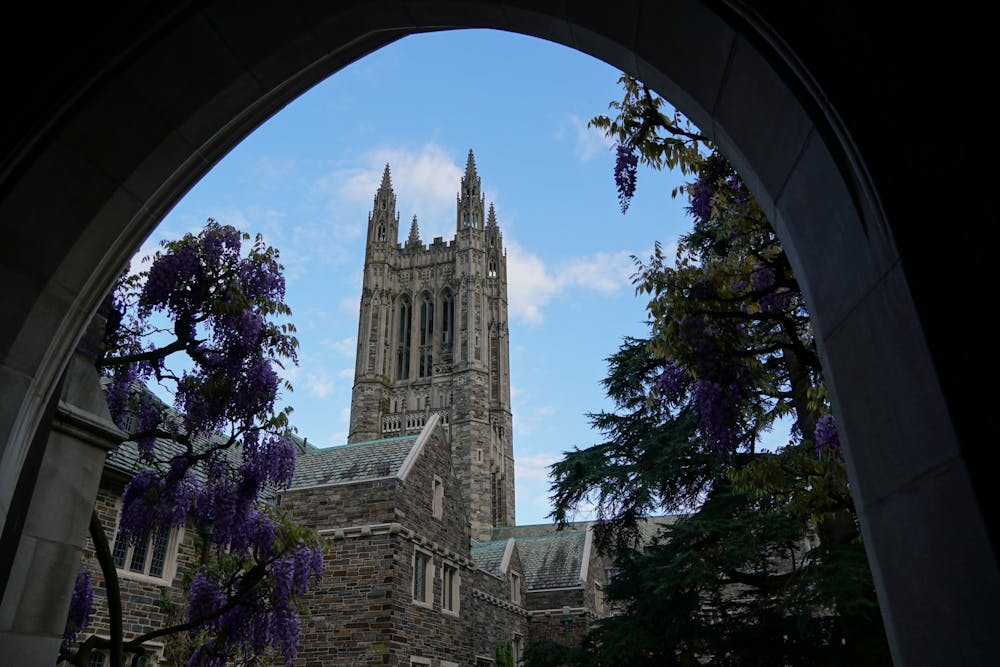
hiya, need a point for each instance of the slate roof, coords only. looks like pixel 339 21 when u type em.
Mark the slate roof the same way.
pixel 488 556
pixel 353 463
pixel 552 561
pixel 125 460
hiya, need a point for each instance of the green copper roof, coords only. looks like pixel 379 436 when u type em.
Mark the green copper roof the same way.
pixel 353 463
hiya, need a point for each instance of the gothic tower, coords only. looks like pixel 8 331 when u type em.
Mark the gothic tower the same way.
pixel 432 338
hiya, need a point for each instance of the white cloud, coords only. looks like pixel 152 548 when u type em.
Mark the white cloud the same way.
pixel 318 384
pixel 534 467
pixel 545 410
pixel 346 373
pixel 425 181
pixel 290 372
pixel 350 305
pixel 344 346
pixel 531 285
pixel 587 141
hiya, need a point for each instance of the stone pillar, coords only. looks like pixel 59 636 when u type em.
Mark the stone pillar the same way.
pixel 36 601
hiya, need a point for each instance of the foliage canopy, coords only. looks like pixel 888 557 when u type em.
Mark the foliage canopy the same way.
pixel 762 562
pixel 202 323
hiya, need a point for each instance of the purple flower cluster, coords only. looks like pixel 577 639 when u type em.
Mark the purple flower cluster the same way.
pixel 718 384
pixel 739 189
pixel 703 189
pixel 673 382
pixel 775 302
pixel 826 438
pixel 152 499
pixel 266 614
pixel 220 298
pixel 172 279
pixel 205 597
pixel 80 606
pixel 717 406
pixel 262 280
pixel 762 278
pixel 626 173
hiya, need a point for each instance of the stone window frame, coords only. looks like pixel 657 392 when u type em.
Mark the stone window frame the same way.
pixel 517 647
pixel 437 497
pixel 154 656
pixel 452 607
pixel 515 587
pixel 448 663
pixel 419 660
pixel 428 598
pixel 174 538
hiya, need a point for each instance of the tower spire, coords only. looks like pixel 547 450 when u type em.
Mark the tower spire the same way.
pixel 383 221
pixel 470 167
pixel 386 180
pixel 414 239
pixel 491 217
pixel 470 197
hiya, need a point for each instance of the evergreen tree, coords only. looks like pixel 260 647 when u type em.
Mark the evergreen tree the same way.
pixel 765 565
pixel 201 323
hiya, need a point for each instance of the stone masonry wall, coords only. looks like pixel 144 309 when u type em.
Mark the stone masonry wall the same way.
pixel 147 603
pixel 495 619
pixel 353 615
pixel 343 505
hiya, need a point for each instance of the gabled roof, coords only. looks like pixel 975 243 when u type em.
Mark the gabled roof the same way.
pixel 353 463
pixel 557 560
pixel 363 461
pixel 488 556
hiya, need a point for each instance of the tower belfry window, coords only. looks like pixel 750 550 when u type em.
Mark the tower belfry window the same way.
pixel 493 268
pixel 426 336
pixel 381 233
pixel 447 320
pixel 403 340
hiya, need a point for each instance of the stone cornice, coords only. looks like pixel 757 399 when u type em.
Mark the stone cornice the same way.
pixel 564 611
pixel 91 428
pixel 497 602
pixel 395 528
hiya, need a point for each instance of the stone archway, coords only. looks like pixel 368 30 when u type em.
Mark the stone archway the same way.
pixel 121 112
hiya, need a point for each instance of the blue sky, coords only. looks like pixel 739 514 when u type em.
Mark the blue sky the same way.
pixel 306 179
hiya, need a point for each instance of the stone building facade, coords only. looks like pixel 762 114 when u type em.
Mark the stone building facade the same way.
pixel 423 562
pixel 433 339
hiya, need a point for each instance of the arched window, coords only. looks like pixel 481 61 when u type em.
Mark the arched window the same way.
pixel 380 235
pixel 447 319
pixel 493 268
pixel 426 335
pixel 403 339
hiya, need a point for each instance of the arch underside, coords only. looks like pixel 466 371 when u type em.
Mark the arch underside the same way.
pixel 816 111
